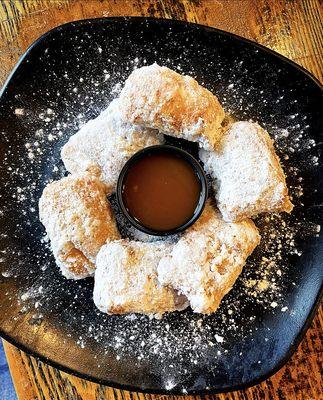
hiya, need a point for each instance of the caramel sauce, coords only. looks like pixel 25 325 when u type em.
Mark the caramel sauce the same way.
pixel 161 191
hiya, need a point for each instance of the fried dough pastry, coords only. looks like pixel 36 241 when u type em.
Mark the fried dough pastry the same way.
pixel 78 221
pixel 126 279
pixel 176 105
pixel 204 264
pixel 103 145
pixel 248 178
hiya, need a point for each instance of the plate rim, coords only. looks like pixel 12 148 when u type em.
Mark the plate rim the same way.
pixel 293 346
pixel 85 21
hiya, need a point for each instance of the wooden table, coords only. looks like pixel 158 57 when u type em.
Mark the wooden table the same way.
pixel 290 27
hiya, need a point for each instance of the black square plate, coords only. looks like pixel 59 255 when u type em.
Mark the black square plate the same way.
pixel 67 77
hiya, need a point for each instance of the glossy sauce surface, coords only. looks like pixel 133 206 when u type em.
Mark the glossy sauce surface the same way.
pixel 161 191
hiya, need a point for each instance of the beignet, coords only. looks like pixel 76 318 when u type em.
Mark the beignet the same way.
pixel 247 176
pixel 126 279
pixel 206 261
pixel 157 97
pixel 104 144
pixel 78 220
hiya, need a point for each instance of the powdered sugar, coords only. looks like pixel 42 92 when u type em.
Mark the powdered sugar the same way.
pixel 208 258
pixel 104 144
pixel 158 97
pixel 266 288
pixel 126 279
pixel 181 341
pixel 247 176
pixel 262 281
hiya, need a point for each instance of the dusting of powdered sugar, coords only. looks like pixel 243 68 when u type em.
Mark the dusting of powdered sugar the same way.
pixel 179 340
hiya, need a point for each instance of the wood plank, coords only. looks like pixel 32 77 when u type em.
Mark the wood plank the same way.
pixel 291 28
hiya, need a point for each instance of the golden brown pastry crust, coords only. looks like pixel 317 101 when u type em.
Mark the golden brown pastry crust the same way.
pixel 104 144
pixel 176 105
pixel 78 220
pixel 207 260
pixel 126 279
pixel 247 176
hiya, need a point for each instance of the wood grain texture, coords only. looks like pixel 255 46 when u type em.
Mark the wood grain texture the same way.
pixel 299 379
pixel 290 27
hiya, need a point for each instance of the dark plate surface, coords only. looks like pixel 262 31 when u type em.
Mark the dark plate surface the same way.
pixel 67 77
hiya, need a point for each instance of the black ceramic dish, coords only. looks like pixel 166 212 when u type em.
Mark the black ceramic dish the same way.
pixel 196 168
pixel 69 75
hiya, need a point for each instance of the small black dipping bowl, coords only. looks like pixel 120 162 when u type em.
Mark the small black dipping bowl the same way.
pixel 196 168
